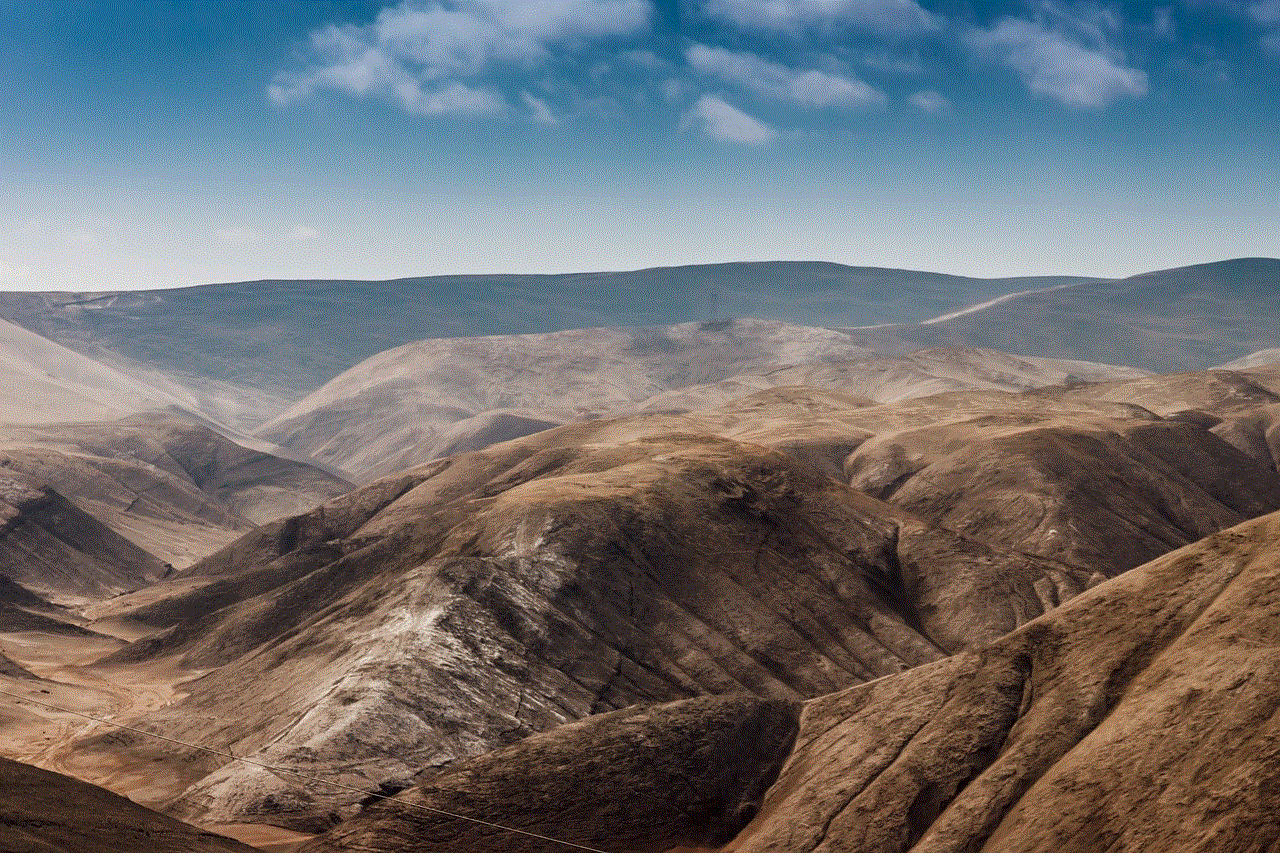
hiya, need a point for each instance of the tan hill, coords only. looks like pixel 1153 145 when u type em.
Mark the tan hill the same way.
pixel 50 546
pixel 660 556
pixel 438 397
pixel 44 812
pixel 175 487
pixel 1261 358
pixel 48 383
pixel 434 614
pixel 393 409
pixel 1139 716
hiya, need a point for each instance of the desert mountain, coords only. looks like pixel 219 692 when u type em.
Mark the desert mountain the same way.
pixel 1181 319
pixel 169 484
pixel 1261 358
pixel 44 812
pixel 48 383
pixel 440 397
pixel 292 336
pixel 391 410
pixel 51 546
pixel 1139 716
pixel 454 607
pixel 437 613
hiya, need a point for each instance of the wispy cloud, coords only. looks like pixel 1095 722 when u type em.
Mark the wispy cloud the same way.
pixel 1266 12
pixel 884 17
pixel 726 123
pixel 930 102
pixel 769 80
pixel 1069 56
pixel 427 57
pixel 539 111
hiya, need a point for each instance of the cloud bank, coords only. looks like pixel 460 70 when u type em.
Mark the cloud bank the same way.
pixel 1069 58
pixel 893 18
pixel 427 58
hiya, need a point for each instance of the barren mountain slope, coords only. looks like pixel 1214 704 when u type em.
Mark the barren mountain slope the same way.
pixel 50 546
pixel 435 614
pixel 436 397
pixel 1180 319
pixel 1140 716
pixel 1261 358
pixel 48 383
pixel 44 812
pixel 390 411
pixel 169 484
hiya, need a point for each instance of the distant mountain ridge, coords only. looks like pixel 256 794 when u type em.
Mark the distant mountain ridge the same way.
pixel 1179 319
pixel 292 336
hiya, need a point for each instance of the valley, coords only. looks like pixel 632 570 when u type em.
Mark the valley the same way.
pixel 638 584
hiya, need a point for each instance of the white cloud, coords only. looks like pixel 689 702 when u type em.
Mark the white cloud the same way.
pixel 239 235
pixel 1067 58
pixel 418 54
pixel 930 102
pixel 725 122
pixel 1162 23
pixel 885 17
pixel 1272 42
pixel 1266 12
pixel 303 232
pixel 674 90
pixel 646 59
pixel 770 80
pixel 890 63
pixel 538 109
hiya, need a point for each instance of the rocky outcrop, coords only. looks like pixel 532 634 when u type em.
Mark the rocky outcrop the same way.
pixel 45 812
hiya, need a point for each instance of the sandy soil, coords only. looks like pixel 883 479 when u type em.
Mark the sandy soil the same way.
pixel 43 737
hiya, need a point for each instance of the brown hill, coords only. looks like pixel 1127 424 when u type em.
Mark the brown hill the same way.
pixel 454 608
pixel 173 486
pixel 49 545
pixel 1140 716
pixel 45 812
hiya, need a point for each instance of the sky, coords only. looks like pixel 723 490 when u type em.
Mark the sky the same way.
pixel 152 144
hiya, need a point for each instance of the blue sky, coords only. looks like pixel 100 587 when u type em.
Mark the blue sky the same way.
pixel 164 144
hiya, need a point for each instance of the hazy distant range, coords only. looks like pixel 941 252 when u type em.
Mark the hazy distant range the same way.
pixel 286 338
pixel 295 335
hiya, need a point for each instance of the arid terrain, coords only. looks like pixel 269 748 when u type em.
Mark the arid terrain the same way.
pixel 930 570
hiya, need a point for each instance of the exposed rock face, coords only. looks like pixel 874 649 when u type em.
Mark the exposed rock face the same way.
pixel 451 609
pixel 44 812
pixel 691 773
pixel 1139 716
